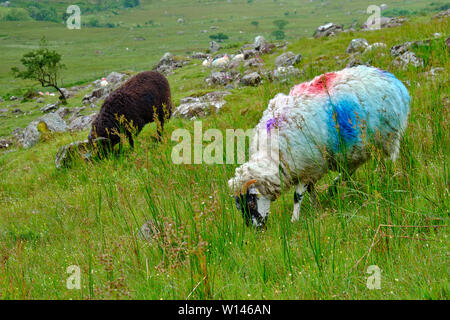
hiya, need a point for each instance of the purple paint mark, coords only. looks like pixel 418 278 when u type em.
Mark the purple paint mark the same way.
pixel 274 122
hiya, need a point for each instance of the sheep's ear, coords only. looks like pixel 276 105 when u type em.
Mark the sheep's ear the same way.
pixel 248 184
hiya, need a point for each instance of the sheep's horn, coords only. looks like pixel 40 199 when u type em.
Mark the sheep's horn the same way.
pixel 248 184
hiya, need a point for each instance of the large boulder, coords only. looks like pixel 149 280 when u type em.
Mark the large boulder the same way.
pixel 51 122
pixel 251 79
pixel 193 107
pixel 214 47
pixel 220 78
pixel 82 122
pixel 259 43
pixel 357 45
pixel 442 15
pixel 328 30
pixel 168 63
pixel 409 58
pixel 288 59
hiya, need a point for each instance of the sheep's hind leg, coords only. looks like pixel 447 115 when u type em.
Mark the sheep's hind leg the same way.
pixel 299 193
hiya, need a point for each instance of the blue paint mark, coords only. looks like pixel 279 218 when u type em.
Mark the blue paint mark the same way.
pixel 344 123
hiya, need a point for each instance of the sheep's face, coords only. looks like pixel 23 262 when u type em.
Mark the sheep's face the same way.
pixel 254 207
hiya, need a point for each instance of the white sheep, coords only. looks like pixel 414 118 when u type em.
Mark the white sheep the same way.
pixel 221 62
pixel 321 125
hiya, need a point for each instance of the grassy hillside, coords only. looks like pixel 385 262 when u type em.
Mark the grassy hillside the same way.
pixel 91 52
pixel 90 215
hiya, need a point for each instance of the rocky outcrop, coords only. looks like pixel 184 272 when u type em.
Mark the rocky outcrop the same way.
pixel 168 63
pixel 328 30
pixel 357 45
pixel 193 107
pixel 288 59
pixel 251 79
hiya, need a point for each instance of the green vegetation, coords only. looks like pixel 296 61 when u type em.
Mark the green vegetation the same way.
pixel 393 215
pixel 220 37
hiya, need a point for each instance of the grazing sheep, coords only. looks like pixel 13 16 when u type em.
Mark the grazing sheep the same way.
pixel 129 108
pixel 322 125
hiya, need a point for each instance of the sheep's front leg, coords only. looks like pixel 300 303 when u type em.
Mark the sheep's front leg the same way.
pixel 299 193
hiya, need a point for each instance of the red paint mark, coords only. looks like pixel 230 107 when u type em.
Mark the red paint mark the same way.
pixel 319 85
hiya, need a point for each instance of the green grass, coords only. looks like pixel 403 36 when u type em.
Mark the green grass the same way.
pixel 89 215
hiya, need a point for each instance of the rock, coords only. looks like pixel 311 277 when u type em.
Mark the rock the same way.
pixel 386 22
pixel 354 62
pixel 193 107
pixel 180 20
pixel 328 30
pixel 400 49
pixel 437 34
pixel 116 78
pixel 249 53
pixel 49 107
pixel 168 63
pixel 63 112
pixel 375 46
pixel 139 39
pixel 12 98
pixel 254 63
pixel 408 58
pixel 54 122
pixel 40 100
pixel 357 45
pixel 251 79
pixel 5 143
pixel 51 122
pixel 17 111
pixel 82 122
pixel 199 55
pixel 219 78
pixel 259 43
pixel 442 15
pixel 148 231
pixel 267 48
pixel 214 46
pixel 180 33
pixel 283 73
pixel 75 112
pixel 434 72
pixel 1 100
pixel 3 110
pixel 287 59
pixel 65 92
pixel 77 150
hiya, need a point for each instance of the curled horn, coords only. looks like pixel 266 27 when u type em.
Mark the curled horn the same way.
pixel 248 184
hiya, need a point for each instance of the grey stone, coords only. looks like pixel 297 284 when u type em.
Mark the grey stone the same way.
pixel 5 143
pixel 219 78
pixel 328 30
pixel 283 73
pixel 357 45
pixel 214 46
pixel 83 150
pixel 408 58
pixel 251 79
pixel 287 59
pixel 193 107
pixel 82 122
pixel 49 107
pixel 259 43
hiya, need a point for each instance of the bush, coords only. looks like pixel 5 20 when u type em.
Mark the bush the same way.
pixel 278 34
pixel 15 14
pixel 130 3
pixel 219 37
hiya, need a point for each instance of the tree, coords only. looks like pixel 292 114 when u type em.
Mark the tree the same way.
pixel 255 23
pixel 42 65
pixel 280 24
pixel 278 34
pixel 219 37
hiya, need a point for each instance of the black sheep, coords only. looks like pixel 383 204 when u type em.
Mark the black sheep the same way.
pixel 130 107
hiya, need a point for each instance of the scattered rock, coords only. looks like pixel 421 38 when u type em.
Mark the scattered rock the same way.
pixel 357 45
pixel 3 110
pixel 168 63
pixel 40 100
pixel 12 98
pixel 49 107
pixel 375 46
pixel 5 143
pixel 148 231
pixel 434 72
pixel 251 79
pixel 259 43
pixel 408 58
pixel 328 30
pixel 199 55
pixel 288 59
pixel 283 73
pixel 219 78
pixel 354 62
pixel 442 15
pixel 193 107
pixel 400 49
pixel 82 122
pixel 51 122
pixel 214 46
pixel 254 63
pixel 386 22
pixel 249 53
pixel 139 39
pixel 77 150
pixel 17 111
